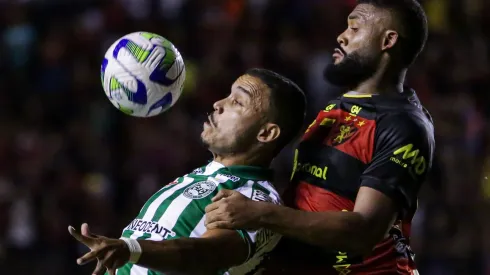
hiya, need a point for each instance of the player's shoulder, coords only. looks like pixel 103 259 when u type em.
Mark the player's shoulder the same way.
pixel 256 187
pixel 245 174
pixel 265 191
pixel 253 181
pixel 407 132
pixel 198 171
pixel 403 114
pixel 414 123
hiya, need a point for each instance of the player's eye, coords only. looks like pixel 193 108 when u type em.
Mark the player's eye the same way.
pixel 235 102
pixel 354 29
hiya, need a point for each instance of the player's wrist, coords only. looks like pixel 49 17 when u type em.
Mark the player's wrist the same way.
pixel 263 210
pixel 134 248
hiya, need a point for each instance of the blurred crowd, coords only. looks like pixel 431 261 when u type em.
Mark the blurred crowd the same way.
pixel 67 156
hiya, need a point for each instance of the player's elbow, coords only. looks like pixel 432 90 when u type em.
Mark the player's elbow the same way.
pixel 363 239
pixel 366 241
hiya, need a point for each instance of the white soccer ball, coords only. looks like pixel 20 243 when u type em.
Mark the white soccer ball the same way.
pixel 143 74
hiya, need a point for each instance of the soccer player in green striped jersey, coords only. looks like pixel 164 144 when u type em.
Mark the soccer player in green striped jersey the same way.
pixel 247 129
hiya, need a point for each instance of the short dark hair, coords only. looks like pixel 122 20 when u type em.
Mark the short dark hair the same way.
pixel 287 102
pixel 412 19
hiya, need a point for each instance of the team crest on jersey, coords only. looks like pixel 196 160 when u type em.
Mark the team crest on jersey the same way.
pixel 343 133
pixel 199 190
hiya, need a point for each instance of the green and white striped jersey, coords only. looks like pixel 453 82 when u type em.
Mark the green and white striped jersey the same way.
pixel 177 211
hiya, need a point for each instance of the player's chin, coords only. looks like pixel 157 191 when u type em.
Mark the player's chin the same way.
pixel 203 135
pixel 206 136
pixel 206 128
pixel 204 141
pixel 337 60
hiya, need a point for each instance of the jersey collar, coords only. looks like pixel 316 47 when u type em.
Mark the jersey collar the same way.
pixel 244 171
pixel 353 94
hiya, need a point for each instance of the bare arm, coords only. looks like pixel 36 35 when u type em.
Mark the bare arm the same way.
pixel 356 232
pixel 215 250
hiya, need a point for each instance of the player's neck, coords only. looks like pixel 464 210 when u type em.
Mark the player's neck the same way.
pixel 242 159
pixel 385 81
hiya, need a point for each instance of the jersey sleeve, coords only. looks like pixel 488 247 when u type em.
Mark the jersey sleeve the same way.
pixel 401 160
pixel 262 240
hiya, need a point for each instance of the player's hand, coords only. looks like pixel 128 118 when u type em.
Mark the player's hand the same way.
pixel 110 253
pixel 232 210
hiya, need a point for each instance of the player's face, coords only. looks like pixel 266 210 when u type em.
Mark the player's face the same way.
pixel 237 119
pixel 360 49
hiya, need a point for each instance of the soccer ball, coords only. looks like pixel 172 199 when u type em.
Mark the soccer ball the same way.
pixel 143 74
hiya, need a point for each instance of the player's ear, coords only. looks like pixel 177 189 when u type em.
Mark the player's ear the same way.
pixel 390 39
pixel 269 132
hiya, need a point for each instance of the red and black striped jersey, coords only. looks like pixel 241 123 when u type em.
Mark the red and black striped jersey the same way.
pixel 381 142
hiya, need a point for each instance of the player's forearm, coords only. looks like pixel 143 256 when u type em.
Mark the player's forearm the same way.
pixel 190 255
pixel 175 255
pixel 342 231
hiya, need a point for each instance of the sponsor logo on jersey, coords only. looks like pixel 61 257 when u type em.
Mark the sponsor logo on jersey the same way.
pixel 199 190
pixel 407 156
pixel 150 227
pixel 342 265
pixel 259 195
pixel 198 171
pixel 229 177
pixel 329 107
pixel 316 171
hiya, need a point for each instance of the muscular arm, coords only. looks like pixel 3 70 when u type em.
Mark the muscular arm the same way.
pixel 215 250
pixel 358 231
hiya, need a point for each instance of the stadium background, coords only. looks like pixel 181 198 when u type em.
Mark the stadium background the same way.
pixel 67 156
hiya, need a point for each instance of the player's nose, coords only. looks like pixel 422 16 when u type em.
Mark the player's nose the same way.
pixel 218 106
pixel 342 40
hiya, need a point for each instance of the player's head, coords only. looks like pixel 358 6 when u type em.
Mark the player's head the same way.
pixel 263 112
pixel 378 32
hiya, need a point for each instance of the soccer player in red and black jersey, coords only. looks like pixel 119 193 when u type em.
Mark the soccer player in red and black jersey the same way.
pixel 360 164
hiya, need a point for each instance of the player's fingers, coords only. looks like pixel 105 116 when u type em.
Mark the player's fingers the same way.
pixel 211 207
pixel 218 225
pixel 115 265
pixel 86 231
pixel 87 258
pixel 210 226
pixel 88 241
pixel 108 262
pixel 223 193
pixel 99 268
pixel 212 217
